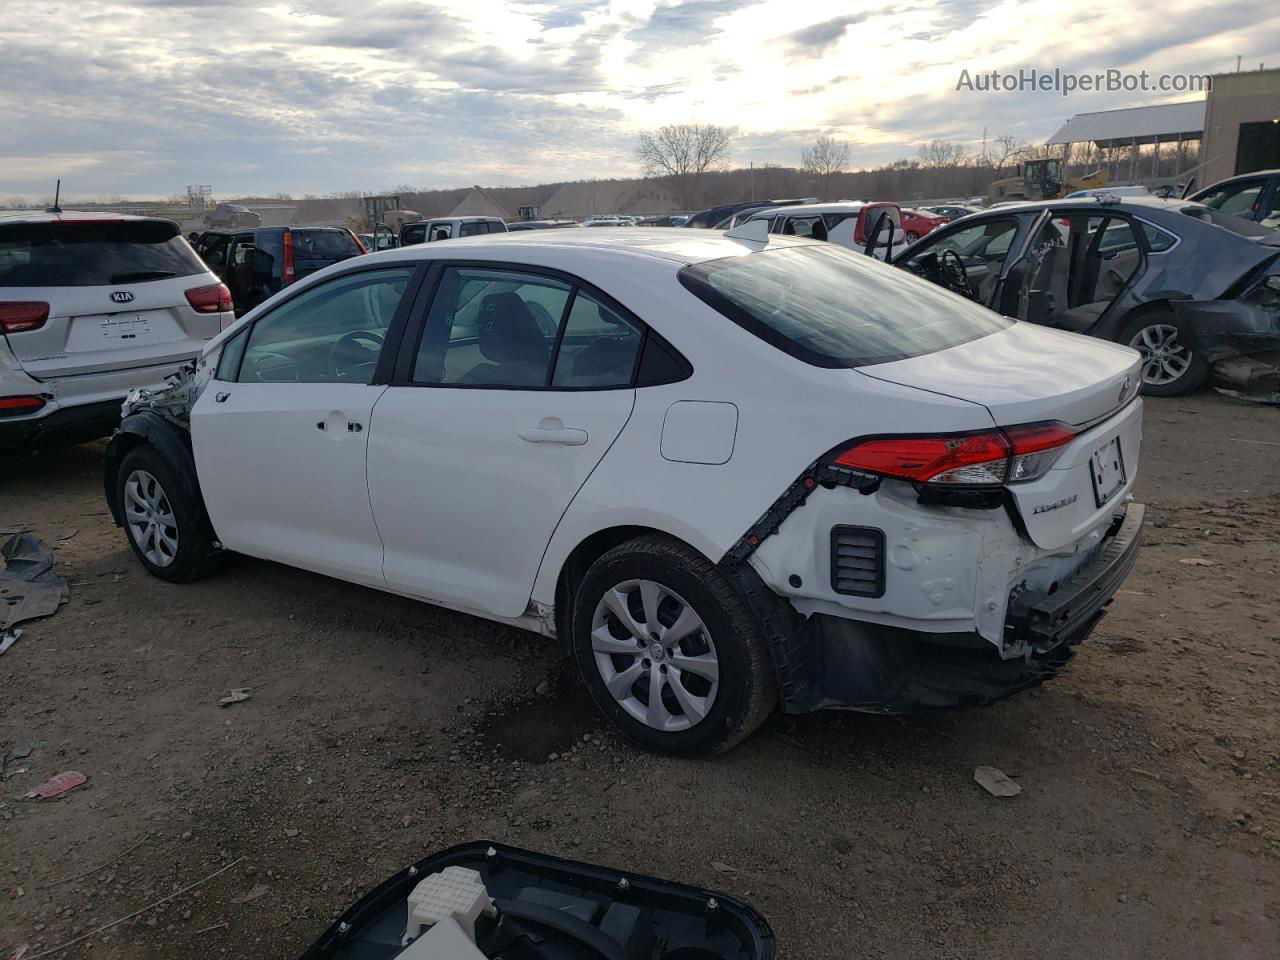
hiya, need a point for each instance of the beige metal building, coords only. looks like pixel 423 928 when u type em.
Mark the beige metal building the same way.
pixel 1241 125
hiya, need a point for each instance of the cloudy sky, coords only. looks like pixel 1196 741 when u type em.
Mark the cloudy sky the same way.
pixel 142 97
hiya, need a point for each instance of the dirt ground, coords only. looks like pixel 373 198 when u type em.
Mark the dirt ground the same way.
pixel 379 729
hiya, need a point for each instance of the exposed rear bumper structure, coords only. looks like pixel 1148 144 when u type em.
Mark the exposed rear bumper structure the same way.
pixel 828 662
pixel 66 425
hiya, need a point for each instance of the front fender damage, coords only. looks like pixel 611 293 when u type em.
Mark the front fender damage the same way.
pixel 162 419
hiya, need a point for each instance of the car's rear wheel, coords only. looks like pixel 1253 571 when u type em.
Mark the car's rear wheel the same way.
pixel 668 649
pixel 1169 365
pixel 166 528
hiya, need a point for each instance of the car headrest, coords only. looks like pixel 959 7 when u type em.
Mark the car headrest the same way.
pixel 508 331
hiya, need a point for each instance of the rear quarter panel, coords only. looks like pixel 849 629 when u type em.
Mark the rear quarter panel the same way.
pixel 789 414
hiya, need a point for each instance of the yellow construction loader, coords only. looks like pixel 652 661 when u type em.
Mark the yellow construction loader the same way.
pixel 1042 180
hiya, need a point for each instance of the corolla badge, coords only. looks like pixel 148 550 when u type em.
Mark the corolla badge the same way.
pixel 121 296
pixel 1056 504
pixel 1124 388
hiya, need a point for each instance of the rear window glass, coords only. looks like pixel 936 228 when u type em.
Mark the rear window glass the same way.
pixel 83 254
pixel 324 245
pixel 1246 228
pixel 835 308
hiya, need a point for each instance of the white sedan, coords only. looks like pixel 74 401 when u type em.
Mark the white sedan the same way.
pixel 726 471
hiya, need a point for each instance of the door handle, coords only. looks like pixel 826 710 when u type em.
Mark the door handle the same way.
pixel 354 426
pixel 568 436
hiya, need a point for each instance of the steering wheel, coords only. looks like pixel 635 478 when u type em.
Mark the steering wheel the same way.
pixel 352 343
pixel 954 275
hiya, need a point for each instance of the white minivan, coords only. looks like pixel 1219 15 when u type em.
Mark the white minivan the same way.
pixel 92 306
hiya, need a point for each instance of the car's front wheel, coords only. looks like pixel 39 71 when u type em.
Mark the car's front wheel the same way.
pixel 668 649
pixel 166 527
pixel 912 236
pixel 1169 365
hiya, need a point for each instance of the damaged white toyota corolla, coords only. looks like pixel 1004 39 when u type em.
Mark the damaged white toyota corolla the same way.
pixel 724 470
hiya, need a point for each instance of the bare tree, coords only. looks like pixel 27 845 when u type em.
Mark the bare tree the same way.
pixel 940 154
pixel 681 153
pixel 824 159
pixel 1007 150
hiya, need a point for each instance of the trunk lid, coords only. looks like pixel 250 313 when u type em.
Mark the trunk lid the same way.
pixel 1026 374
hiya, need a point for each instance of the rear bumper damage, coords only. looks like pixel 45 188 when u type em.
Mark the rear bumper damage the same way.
pixel 833 662
pixel 1219 329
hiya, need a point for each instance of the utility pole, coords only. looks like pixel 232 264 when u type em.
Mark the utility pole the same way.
pixel 753 179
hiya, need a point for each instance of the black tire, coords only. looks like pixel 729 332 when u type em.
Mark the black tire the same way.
pixel 912 236
pixel 1196 372
pixel 747 689
pixel 195 555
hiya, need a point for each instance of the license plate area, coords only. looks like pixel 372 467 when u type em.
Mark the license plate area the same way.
pixel 1106 467
pixel 125 327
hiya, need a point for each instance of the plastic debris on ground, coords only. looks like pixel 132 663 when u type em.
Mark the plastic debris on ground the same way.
pixel 996 782
pixel 259 890
pixel 237 695
pixel 28 586
pixel 56 786
pixel 9 638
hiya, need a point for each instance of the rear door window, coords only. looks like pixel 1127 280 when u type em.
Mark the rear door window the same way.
pixel 74 253
pixel 324 245
pixel 491 327
pixel 832 307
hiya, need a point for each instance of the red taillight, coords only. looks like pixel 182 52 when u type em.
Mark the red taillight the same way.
pixel 975 458
pixel 985 459
pixel 215 298
pixel 1035 448
pixel 22 316
pixel 287 267
pixel 12 406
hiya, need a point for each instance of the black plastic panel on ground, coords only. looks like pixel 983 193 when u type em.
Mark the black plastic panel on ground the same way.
pixel 687 923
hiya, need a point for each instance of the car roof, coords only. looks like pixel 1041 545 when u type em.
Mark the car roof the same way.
pixel 70 216
pixel 676 244
pixel 840 206
pixel 1147 202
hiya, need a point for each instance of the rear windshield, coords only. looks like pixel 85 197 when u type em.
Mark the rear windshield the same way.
pixel 324 245
pixel 835 308
pixel 1246 228
pixel 85 254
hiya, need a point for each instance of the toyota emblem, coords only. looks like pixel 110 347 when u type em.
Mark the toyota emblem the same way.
pixel 1124 388
pixel 121 296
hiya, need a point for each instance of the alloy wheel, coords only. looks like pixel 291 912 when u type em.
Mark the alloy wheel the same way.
pixel 150 518
pixel 1164 359
pixel 655 655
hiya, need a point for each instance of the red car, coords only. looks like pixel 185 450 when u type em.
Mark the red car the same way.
pixel 917 223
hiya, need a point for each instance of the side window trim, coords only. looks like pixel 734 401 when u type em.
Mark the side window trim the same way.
pixel 399 320
pixel 411 339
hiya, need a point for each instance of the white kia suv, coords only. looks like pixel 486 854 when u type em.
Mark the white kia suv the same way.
pixel 91 306
pixel 725 471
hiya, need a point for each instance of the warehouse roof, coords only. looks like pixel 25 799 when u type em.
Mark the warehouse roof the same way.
pixel 1145 124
